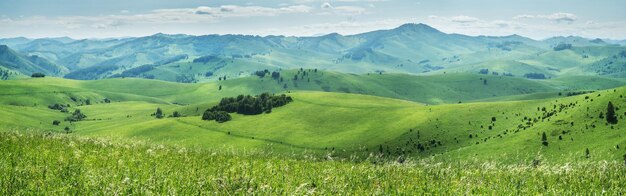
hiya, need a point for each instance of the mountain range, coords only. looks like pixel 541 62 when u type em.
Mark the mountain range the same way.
pixel 410 48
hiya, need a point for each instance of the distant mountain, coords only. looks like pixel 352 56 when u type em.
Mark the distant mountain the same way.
pixel 12 42
pixel 409 48
pixel 575 41
pixel 27 65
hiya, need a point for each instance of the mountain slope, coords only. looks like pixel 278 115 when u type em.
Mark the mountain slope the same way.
pixel 27 64
pixel 410 48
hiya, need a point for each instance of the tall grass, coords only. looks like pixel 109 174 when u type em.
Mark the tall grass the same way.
pixel 34 163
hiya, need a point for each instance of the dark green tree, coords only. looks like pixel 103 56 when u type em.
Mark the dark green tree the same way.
pixel 544 139
pixel 610 114
pixel 221 116
pixel 159 113
pixel 56 122
pixel 67 129
pixel 587 153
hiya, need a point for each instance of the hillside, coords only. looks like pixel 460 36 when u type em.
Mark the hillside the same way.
pixel 89 164
pixel 323 121
pixel 26 65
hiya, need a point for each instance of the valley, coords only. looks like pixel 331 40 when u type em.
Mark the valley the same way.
pixel 406 110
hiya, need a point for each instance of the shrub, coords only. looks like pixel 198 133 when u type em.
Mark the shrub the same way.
pixel 158 113
pixel 76 116
pixel 38 75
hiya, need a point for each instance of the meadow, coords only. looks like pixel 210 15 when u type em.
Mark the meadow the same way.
pixel 36 163
pixel 321 143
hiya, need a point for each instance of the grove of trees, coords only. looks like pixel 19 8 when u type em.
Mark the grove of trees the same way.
pixel 76 116
pixel 38 75
pixel 245 104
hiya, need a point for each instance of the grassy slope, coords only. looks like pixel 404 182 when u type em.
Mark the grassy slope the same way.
pixel 44 164
pixel 317 121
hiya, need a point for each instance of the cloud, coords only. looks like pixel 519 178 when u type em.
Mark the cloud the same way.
pixel 523 16
pixel 463 19
pixel 328 9
pixel 561 17
pixel 326 5
pixel 557 17
pixel 236 11
pixel 343 27
pixel 161 16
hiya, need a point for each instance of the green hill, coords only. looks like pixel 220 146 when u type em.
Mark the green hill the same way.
pixel 322 121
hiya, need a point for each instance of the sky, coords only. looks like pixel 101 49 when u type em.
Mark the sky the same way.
pixel 537 19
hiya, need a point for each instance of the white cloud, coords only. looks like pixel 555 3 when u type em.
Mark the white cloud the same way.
pixel 326 5
pixel 523 16
pixel 161 16
pixel 463 19
pixel 561 17
pixel 328 9
pixel 237 11
pixel 557 17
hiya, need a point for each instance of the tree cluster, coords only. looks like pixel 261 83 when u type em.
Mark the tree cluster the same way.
pixel 535 75
pixel 60 107
pixel 76 116
pixel 562 46
pixel 245 104
pixel 262 73
pixel 38 75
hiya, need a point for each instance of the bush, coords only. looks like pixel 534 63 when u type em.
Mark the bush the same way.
pixel 76 116
pixel 38 75
pixel 56 122
pixel 158 113
pixel 535 75
pixel 219 116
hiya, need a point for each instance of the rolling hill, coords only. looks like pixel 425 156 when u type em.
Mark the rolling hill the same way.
pixel 343 123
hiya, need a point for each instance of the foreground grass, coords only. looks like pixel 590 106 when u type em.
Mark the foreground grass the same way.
pixel 34 163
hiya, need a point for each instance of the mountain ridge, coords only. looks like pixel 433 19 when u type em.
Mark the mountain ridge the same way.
pixel 409 48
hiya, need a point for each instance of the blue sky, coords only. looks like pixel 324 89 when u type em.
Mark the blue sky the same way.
pixel 537 19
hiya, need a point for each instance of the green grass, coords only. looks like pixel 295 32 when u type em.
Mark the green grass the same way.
pixel 325 122
pixel 321 143
pixel 58 164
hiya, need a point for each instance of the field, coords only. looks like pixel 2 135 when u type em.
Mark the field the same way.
pixel 96 166
pixel 368 141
